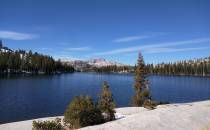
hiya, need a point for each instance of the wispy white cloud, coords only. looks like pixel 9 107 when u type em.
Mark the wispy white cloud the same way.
pixel 44 49
pixel 16 35
pixel 152 46
pixel 136 37
pixel 79 49
pixel 170 50
pixel 130 38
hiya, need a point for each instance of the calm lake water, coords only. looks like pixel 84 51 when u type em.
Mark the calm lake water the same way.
pixel 28 97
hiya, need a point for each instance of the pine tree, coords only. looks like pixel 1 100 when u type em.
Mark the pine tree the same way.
pixel 141 83
pixel 106 103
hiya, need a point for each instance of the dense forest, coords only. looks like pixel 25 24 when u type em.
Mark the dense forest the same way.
pixel 199 67
pixel 21 61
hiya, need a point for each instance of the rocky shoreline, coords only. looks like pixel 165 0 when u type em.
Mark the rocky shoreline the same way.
pixel 185 116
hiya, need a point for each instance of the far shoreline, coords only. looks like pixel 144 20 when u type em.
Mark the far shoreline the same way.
pixel 120 73
pixel 131 73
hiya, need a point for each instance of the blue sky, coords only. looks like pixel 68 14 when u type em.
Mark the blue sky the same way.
pixel 164 30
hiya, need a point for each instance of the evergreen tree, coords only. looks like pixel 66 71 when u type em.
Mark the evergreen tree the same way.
pixel 106 103
pixel 141 83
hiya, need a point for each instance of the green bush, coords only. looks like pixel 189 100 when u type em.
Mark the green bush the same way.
pixel 81 112
pixel 47 125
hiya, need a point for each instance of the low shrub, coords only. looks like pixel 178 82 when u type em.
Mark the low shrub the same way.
pixel 47 125
pixel 150 104
pixel 81 112
pixel 91 117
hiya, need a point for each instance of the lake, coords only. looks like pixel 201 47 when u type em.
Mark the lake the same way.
pixel 28 97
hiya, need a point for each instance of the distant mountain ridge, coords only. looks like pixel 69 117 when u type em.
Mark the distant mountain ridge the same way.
pixel 95 62
pixel 99 62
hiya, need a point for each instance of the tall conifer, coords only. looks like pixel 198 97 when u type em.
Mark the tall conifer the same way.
pixel 141 83
pixel 106 103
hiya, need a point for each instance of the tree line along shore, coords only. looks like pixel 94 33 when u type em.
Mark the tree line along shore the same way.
pixel 20 61
pixel 196 67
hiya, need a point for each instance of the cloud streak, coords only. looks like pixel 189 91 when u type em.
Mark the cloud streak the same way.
pixel 152 46
pixel 130 38
pixel 44 49
pixel 171 50
pixel 79 49
pixel 16 35
pixel 136 37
